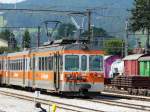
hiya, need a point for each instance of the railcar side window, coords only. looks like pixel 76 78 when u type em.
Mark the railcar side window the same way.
pixel 50 63
pixel 43 63
pixel 84 63
pixel 60 62
pixel 72 63
pixel 39 63
pixel 46 63
pixel 95 63
pixel 0 65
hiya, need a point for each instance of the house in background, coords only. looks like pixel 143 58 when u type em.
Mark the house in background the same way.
pixel 3 43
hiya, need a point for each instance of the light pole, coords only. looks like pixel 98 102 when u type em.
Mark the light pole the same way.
pixel 126 37
pixel 92 37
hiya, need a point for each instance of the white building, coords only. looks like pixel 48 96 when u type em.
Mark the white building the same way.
pixel 3 43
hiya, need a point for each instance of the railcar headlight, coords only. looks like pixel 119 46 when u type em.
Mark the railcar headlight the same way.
pixel 99 75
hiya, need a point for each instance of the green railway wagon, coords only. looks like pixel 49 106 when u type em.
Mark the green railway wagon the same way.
pixel 144 63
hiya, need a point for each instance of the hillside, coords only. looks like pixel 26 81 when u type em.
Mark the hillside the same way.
pixel 115 8
pixel 112 19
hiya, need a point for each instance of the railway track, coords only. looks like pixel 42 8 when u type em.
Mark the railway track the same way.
pixel 74 108
pixel 113 102
pixel 64 106
pixel 125 95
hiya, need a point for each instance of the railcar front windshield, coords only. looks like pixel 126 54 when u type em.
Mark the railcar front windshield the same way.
pixel 72 63
pixel 95 63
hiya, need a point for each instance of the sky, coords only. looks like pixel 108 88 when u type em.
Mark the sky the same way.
pixel 11 1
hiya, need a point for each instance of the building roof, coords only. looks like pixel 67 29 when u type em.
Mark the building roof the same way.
pixel 133 57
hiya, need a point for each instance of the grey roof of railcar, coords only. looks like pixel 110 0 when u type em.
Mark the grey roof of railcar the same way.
pixel 18 53
pixel 55 47
pixel 146 58
pixel 133 57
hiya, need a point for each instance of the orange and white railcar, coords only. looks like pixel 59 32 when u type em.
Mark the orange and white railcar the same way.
pixel 60 67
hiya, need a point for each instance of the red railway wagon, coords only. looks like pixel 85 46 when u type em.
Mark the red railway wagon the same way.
pixel 131 65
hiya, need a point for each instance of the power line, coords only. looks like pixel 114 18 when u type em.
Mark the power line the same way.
pixel 42 10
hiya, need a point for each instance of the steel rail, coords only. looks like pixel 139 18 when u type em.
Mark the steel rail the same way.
pixel 125 95
pixel 122 104
pixel 60 105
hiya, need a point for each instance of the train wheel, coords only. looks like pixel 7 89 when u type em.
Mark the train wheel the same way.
pixel 135 91
pixel 148 92
pixel 145 93
pixel 130 91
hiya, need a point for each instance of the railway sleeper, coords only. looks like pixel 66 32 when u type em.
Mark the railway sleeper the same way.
pixel 135 91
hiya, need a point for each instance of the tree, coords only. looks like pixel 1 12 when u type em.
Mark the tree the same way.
pixel 97 32
pixel 140 18
pixel 65 30
pixel 26 41
pixel 114 46
pixel 8 50
pixel 5 35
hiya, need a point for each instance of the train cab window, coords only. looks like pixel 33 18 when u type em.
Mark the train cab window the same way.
pixel 83 63
pixel 72 63
pixel 95 63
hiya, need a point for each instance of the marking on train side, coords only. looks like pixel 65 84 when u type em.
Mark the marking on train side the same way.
pixel 44 76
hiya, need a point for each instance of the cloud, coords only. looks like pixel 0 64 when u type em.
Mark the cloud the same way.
pixel 11 1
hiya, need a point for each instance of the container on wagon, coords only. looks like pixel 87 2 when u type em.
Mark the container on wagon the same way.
pixel 131 65
pixel 144 63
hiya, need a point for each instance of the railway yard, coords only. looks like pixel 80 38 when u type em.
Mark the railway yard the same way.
pixel 74 56
pixel 106 102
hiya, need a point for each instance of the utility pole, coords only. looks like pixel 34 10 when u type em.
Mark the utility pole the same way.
pixel 148 32
pixel 126 38
pixel 38 36
pixel 89 24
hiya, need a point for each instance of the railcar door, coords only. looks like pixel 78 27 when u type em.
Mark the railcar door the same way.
pixel 23 65
pixel 33 70
pixel 8 72
pixel 56 71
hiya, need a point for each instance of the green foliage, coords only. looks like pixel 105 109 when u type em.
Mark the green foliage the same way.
pixel 8 50
pixel 97 32
pixel 140 15
pixel 113 46
pixel 26 39
pixel 65 30
pixel 4 49
pixel 140 19
pixel 5 34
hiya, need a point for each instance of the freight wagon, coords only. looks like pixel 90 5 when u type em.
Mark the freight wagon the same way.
pixel 144 66
pixel 108 60
pixel 64 66
pixel 136 78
